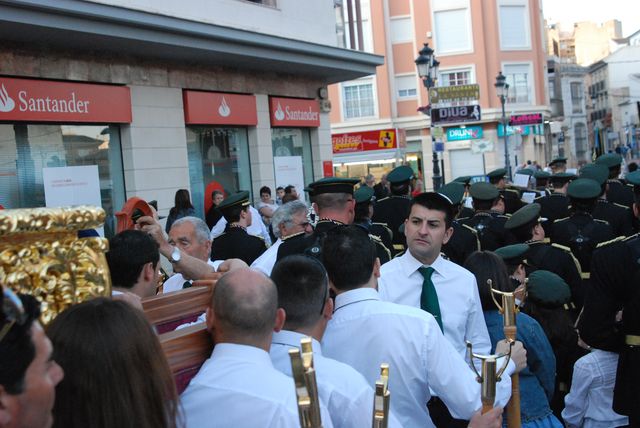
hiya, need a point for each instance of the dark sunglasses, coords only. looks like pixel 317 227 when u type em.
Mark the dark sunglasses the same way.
pixel 12 310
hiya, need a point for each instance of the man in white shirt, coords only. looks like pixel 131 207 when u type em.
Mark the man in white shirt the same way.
pixel 288 220
pixel 256 228
pixel 366 331
pixel 238 386
pixel 303 293
pixel 456 303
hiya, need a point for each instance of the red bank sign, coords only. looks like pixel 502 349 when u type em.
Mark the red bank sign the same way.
pixel 294 112
pixel 215 108
pixel 364 141
pixel 50 101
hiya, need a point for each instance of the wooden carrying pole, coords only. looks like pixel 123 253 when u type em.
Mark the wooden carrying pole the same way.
pixel 304 377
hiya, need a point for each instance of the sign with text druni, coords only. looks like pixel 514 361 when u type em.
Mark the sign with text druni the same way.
pixel 461 134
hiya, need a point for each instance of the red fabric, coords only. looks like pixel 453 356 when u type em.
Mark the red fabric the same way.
pixel 184 376
pixel 171 325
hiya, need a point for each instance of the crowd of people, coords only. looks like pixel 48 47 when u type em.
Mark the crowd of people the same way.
pixel 382 273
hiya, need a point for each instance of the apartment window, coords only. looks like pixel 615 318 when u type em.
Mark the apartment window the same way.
pixel 401 30
pixel 520 83
pixel 552 88
pixel 406 86
pixel 576 97
pixel 365 22
pixel 580 132
pixel 453 31
pixel 358 100
pixel 455 78
pixel 514 25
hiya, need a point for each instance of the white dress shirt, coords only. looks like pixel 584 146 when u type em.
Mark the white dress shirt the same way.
pixel 462 318
pixel 343 389
pixel 267 260
pixel 176 281
pixel 239 388
pixel 257 227
pixel 365 332
pixel 589 404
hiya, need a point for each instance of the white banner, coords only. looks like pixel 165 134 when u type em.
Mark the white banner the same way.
pixel 288 171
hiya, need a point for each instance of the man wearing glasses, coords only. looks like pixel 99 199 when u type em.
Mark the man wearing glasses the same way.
pixel 28 375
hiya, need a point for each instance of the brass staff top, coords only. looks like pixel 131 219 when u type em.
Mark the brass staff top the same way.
pixel 508 309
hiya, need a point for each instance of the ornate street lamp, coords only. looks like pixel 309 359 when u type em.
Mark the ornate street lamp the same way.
pixel 427 66
pixel 502 90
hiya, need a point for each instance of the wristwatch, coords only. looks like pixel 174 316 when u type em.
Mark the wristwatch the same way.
pixel 175 255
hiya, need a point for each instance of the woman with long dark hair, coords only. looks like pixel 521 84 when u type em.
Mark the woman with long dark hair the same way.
pixel 537 379
pixel 182 208
pixel 116 373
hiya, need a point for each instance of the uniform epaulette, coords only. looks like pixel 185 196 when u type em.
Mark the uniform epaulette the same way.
pixel 620 205
pixel 630 185
pixel 504 215
pixel 475 232
pixel 462 218
pixel 546 240
pixel 573 257
pixel 383 199
pixel 560 219
pixel 400 254
pixel 292 236
pixel 611 241
pixel 562 247
pixel 539 197
pixel 512 190
pixel 375 238
pixel 381 224
pixel 601 221
pixel 634 236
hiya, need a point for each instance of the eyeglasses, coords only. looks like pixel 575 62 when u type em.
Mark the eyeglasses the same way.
pixel 12 310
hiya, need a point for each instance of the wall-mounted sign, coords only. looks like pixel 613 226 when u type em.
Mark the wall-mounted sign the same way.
pixel 51 101
pixel 513 130
pixel 327 168
pixel 467 94
pixel 215 108
pixel 481 146
pixel 354 142
pixel 525 119
pixel 460 114
pixel 468 133
pixel 294 112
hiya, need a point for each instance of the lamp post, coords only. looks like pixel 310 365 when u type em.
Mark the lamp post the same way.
pixel 428 71
pixel 502 89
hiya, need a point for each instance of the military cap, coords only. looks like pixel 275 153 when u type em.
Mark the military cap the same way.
pixel 333 185
pixel 547 289
pixel 484 191
pixel 513 254
pixel 523 216
pixel 633 178
pixel 465 179
pixel 363 194
pixel 597 172
pixel 584 188
pixel 237 199
pixel 562 176
pixel 400 174
pixel 558 160
pixel 610 160
pixel 541 174
pixel 497 173
pixel 454 191
pixel 525 171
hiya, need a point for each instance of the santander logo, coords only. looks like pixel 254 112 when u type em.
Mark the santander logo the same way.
pixel 224 109
pixel 279 114
pixel 6 102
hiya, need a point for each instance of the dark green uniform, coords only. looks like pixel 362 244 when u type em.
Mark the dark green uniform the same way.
pixel 236 243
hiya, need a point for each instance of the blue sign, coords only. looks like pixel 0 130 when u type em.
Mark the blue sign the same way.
pixel 512 130
pixel 439 146
pixel 468 133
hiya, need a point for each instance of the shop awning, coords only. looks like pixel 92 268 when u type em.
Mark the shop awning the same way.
pixel 366 157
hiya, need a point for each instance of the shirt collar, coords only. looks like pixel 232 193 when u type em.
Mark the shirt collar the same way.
pixel 410 264
pixel 238 352
pixel 357 295
pixel 293 338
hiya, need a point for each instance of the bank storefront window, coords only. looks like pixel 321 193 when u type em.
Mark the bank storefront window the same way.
pixel 27 149
pixel 292 147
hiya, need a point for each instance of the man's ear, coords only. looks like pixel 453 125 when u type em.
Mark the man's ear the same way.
pixel 447 235
pixel 281 317
pixel 376 268
pixel 636 210
pixel 327 312
pixel 5 407
pixel 209 315
pixel 148 271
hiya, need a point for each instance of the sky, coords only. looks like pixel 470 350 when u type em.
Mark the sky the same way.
pixel 570 11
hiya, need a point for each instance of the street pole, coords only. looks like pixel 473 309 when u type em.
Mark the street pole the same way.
pixel 502 90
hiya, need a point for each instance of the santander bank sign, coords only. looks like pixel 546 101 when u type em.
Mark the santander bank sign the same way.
pixel 52 101
pixel 294 112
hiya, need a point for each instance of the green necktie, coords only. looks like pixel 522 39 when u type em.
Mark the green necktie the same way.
pixel 429 297
pixel 187 284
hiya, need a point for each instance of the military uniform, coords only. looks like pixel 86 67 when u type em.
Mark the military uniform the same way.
pixel 512 200
pixel 462 243
pixel 364 201
pixel 236 243
pixel 489 225
pixel 618 192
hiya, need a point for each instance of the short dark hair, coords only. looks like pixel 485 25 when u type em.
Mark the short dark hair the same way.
pixel 17 349
pixel 584 205
pixel 488 265
pixel 279 188
pixel 302 289
pixel 349 255
pixel 289 188
pixel 496 179
pixel 483 205
pixel 399 189
pixel 362 211
pixel 265 189
pixel 128 252
pixel 332 200
pixel 232 214
pixel 632 166
pixel 525 232
pixel 437 202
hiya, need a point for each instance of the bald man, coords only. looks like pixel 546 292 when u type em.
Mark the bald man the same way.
pixel 238 385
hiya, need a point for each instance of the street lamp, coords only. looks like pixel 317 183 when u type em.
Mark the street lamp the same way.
pixel 502 89
pixel 427 66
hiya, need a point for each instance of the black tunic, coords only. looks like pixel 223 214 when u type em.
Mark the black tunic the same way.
pixel 620 193
pixel 553 207
pixel 490 229
pixel 619 217
pixel 236 243
pixel 462 243
pixel 393 211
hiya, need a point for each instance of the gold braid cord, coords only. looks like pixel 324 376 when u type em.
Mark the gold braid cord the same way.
pixel 41 255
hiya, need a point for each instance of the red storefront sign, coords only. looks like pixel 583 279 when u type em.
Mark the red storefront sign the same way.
pixel 50 101
pixel 364 141
pixel 525 119
pixel 294 112
pixel 327 168
pixel 215 108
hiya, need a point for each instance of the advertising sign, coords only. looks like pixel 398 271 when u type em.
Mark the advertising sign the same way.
pixel 460 93
pixel 294 112
pixel 461 114
pixel 216 108
pixel 481 146
pixel 288 171
pixel 51 101
pixel 468 133
pixel 327 168
pixel 354 142
pixel 513 130
pixel 525 119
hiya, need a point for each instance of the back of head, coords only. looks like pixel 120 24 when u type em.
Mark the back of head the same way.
pixel 245 302
pixel 128 252
pixel 486 265
pixel 302 290
pixel 332 201
pixel 349 256
pixel 115 369
pixel 182 200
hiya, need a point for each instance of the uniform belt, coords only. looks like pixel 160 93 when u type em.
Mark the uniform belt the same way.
pixel 585 275
pixel 632 340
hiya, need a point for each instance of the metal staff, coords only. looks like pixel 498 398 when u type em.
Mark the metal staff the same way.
pixel 382 399
pixel 509 309
pixel 304 377
pixel 489 376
